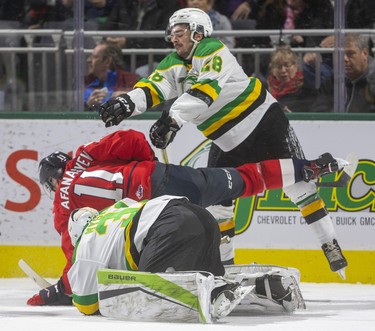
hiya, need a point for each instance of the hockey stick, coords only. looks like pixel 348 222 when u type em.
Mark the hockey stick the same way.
pixel 347 173
pixel 38 279
pixel 164 155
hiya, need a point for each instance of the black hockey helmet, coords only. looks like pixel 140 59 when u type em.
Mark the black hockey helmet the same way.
pixel 52 167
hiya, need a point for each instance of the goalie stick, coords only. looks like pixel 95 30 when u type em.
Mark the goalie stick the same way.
pixel 30 272
pixel 347 173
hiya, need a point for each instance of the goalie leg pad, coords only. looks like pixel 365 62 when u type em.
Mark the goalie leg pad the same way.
pixel 157 297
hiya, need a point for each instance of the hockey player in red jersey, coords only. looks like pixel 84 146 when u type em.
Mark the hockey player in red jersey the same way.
pixel 123 165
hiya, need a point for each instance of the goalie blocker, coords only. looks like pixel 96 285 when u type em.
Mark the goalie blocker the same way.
pixel 196 296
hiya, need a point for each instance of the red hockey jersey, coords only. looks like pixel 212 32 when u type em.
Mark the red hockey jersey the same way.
pixel 100 174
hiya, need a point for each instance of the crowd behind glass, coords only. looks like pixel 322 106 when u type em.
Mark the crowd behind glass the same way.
pixel 39 47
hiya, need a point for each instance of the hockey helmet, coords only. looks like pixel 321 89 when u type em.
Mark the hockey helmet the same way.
pixel 197 19
pixel 51 169
pixel 78 219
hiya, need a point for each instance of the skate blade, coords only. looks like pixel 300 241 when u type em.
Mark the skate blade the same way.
pixel 349 165
pixel 341 273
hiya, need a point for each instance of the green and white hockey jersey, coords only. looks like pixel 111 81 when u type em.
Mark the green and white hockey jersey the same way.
pixel 112 240
pixel 213 92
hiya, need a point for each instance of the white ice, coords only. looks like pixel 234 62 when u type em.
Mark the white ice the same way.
pixel 329 307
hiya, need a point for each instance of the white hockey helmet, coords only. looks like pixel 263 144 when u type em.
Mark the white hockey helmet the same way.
pixel 197 19
pixel 78 219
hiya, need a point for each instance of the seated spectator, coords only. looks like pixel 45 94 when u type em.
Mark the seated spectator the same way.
pixel 325 60
pixel 295 14
pixel 106 75
pixel 360 14
pixel 95 11
pixel 12 10
pixel 130 15
pixel 359 79
pixel 12 78
pixel 39 12
pixel 242 13
pixel 287 15
pixel 219 21
pixel 286 81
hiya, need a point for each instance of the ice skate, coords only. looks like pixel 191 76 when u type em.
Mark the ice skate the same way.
pixel 226 298
pixel 283 290
pixel 324 165
pixel 336 259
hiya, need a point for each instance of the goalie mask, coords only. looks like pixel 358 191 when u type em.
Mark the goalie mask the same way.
pixel 78 219
pixel 197 20
pixel 51 170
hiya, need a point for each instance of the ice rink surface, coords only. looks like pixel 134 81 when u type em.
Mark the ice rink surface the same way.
pixel 329 307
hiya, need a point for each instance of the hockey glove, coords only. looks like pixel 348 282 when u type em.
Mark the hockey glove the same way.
pixel 163 131
pixel 51 296
pixel 116 110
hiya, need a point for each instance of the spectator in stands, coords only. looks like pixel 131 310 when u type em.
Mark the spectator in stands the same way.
pixel 130 15
pixel 287 15
pixel 295 14
pixel 12 13
pixel 239 11
pixel 106 75
pixel 242 15
pixel 360 14
pixel 219 21
pixel 13 80
pixel 95 11
pixel 287 82
pixel 12 10
pixel 58 14
pixel 325 60
pixel 359 79
pixel 39 12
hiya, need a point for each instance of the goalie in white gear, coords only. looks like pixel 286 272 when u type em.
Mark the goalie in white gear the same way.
pixel 168 232
pixel 236 112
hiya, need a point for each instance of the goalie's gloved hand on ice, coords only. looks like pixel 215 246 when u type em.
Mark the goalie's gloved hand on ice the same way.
pixel 324 165
pixel 114 111
pixel 163 131
pixel 51 296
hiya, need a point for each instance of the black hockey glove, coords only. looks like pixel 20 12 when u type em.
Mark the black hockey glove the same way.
pixel 116 110
pixel 54 295
pixel 163 131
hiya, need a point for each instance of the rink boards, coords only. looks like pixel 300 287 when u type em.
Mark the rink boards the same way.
pixel 269 228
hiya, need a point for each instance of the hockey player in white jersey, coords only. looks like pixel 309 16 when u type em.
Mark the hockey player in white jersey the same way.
pixel 168 233
pixel 244 121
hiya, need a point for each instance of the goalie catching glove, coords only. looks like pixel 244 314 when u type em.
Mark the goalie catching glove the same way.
pixel 163 131
pixel 114 111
